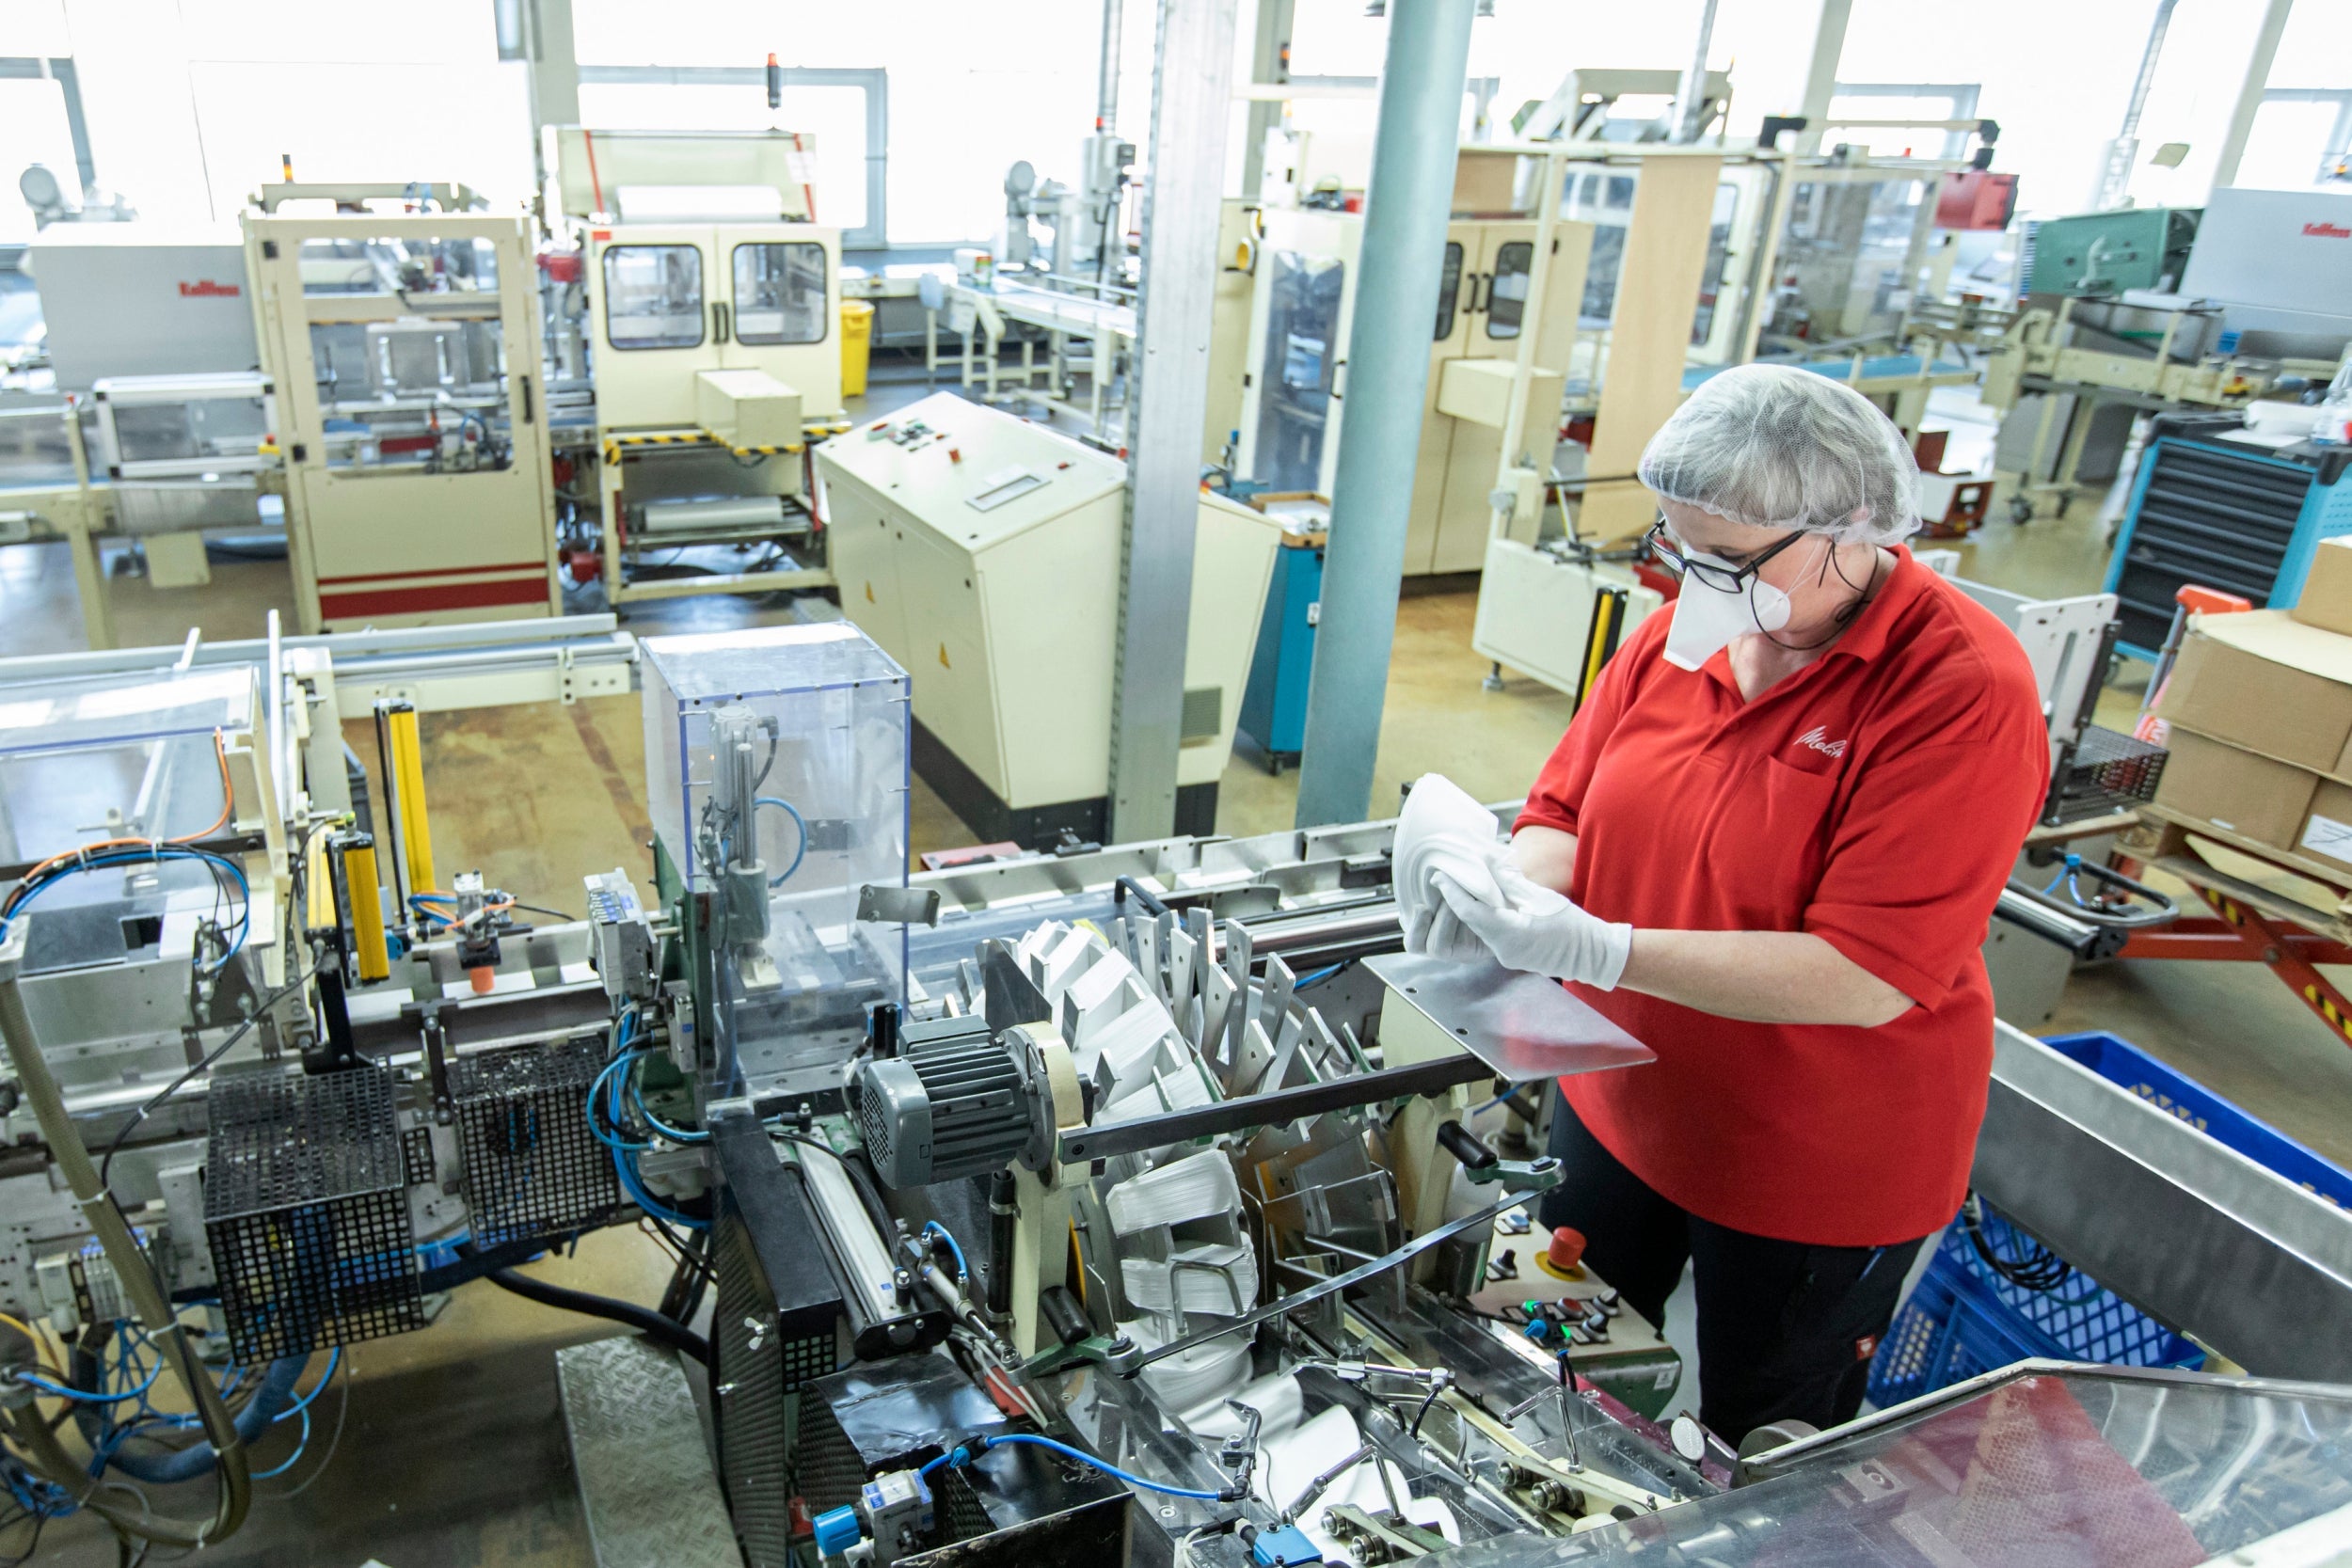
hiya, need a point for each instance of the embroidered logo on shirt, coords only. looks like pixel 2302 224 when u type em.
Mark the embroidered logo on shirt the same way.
pixel 1815 739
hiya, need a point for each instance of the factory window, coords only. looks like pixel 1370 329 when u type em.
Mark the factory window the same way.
pixel 653 295
pixel 779 292
pixel 1506 290
pixel 1449 288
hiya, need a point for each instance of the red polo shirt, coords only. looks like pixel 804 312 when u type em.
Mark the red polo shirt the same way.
pixel 1877 798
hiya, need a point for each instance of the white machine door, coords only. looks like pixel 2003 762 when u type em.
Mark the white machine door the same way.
pixel 781 287
pixel 1505 265
pixel 1452 329
pixel 658 322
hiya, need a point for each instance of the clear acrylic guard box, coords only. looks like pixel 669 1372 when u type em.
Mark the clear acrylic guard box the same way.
pixel 108 756
pixel 834 791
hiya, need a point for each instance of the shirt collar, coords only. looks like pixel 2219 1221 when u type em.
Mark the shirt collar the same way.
pixel 1867 637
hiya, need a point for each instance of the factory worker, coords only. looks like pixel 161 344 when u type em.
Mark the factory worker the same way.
pixel 1768 848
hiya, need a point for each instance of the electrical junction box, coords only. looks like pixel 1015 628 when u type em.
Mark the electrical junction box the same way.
pixel 747 408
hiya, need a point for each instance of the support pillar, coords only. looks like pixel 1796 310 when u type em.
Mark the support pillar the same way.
pixel 2250 92
pixel 1406 206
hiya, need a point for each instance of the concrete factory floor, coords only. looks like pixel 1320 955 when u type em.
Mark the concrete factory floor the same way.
pixel 452 1450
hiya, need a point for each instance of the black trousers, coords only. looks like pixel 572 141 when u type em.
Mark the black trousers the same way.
pixel 1785 1329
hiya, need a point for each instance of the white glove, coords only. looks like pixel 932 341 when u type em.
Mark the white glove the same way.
pixel 1437 932
pixel 1542 931
pixel 1441 827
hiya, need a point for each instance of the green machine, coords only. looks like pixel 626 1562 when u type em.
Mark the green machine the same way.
pixel 2096 254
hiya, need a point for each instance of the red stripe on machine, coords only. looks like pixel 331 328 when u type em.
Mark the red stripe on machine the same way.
pixel 415 601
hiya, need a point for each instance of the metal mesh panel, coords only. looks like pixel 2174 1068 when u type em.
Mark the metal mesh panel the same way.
pixel 2109 771
pixel 306 1209
pixel 533 1168
pixel 826 1469
pixel 415 1150
pixel 750 1411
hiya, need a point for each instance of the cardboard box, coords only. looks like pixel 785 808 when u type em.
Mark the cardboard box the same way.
pixel 747 408
pixel 2265 682
pixel 2236 790
pixel 2327 834
pixel 2326 601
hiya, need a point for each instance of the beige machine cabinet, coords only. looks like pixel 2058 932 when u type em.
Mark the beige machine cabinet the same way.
pixel 671 299
pixel 1536 611
pixel 1294 376
pixel 413 432
pixel 1294 389
pixel 781 286
pixel 981 551
pixel 655 301
pixel 1237 252
pixel 1498 266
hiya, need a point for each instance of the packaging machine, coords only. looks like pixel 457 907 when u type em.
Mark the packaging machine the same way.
pixel 1137 1206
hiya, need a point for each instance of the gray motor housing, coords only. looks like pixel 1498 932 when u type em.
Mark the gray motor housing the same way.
pixel 956 1104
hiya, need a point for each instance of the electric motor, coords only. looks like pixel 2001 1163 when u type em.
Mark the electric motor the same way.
pixel 957 1103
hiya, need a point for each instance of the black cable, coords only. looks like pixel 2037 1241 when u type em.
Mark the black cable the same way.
pixel 874 1209
pixel 542 909
pixel 665 1331
pixel 105 1164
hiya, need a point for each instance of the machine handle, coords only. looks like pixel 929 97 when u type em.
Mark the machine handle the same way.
pixel 1466 1146
pixel 524 386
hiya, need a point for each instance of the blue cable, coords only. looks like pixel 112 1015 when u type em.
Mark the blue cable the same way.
pixel 63 1392
pixel 676 1134
pixel 932 1227
pixel 301 1446
pixel 798 821
pixel 925 1473
pixel 624 1161
pixel 152 855
pixel 1318 977
pixel 334 1359
pixel 1081 1457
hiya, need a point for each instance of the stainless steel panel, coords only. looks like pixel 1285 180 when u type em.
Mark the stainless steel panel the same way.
pixel 2170 1219
pixel 1524 1026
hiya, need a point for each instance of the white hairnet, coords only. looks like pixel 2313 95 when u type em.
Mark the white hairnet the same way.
pixel 1777 447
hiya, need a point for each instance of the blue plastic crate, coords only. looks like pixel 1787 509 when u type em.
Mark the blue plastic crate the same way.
pixel 2119 1061
pixel 1964 1319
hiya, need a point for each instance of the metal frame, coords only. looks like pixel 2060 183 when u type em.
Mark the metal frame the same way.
pixel 1166 403
pixel 874 233
pixel 1962 96
pixel 59 68
pixel 2340 138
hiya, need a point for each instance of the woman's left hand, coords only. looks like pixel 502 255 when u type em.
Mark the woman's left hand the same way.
pixel 1542 931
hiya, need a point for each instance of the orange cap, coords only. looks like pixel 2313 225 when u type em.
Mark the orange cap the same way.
pixel 483 978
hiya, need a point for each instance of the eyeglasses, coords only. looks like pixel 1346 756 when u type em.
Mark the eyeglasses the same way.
pixel 1728 580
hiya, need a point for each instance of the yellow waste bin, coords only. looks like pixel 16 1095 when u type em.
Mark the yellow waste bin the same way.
pixel 857 340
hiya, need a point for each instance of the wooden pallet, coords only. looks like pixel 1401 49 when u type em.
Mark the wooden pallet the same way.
pixel 2162 842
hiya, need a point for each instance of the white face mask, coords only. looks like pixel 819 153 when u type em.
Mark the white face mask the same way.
pixel 1706 619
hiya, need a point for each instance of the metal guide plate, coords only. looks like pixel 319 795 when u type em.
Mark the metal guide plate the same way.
pixel 645 1482
pixel 1524 1026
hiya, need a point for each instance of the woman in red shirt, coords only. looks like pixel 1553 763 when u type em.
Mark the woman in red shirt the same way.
pixel 1768 848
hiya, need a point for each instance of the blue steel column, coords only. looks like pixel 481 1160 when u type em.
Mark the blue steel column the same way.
pixel 1405 210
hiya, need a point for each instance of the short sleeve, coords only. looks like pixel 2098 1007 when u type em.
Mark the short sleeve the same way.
pixel 1922 852
pixel 1558 792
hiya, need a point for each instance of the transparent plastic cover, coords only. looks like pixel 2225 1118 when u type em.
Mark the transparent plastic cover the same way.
pixel 2085 1469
